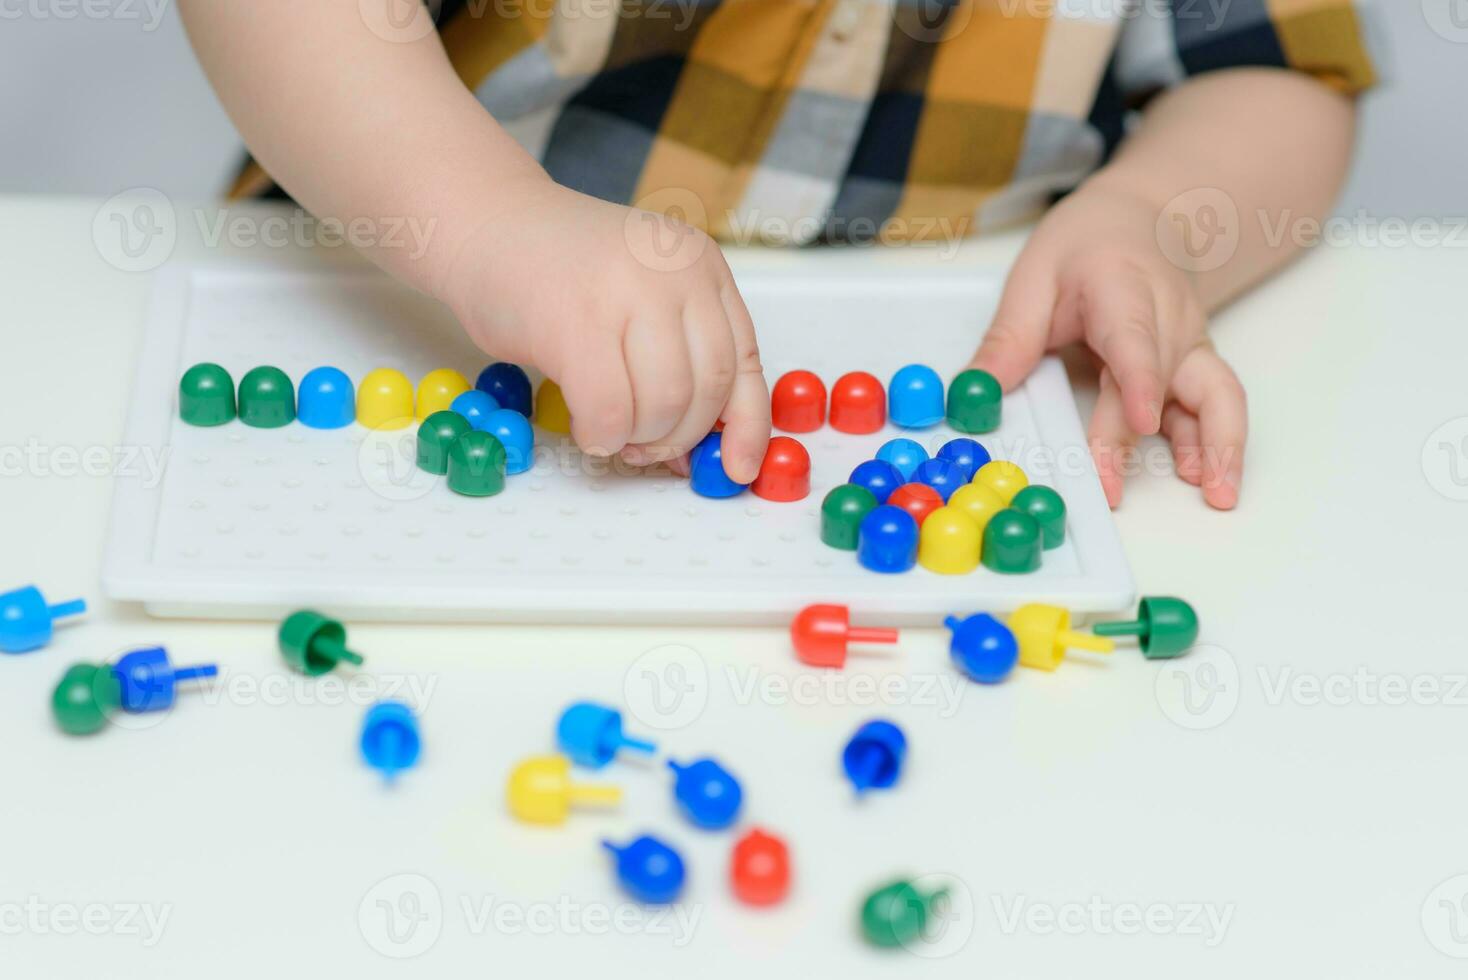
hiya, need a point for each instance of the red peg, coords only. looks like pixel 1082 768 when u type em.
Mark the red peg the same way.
pixel 858 404
pixel 785 474
pixel 759 869
pixel 798 403
pixel 918 499
pixel 820 634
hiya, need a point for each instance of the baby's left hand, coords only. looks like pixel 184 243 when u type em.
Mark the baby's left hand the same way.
pixel 1094 271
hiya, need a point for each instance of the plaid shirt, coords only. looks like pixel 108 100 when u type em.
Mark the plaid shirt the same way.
pixel 794 121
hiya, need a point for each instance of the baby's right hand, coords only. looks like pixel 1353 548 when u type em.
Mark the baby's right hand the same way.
pixel 634 315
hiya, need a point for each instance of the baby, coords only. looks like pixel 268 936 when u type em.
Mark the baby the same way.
pixel 578 160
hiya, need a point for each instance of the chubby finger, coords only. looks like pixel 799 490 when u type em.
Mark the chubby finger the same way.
pixel 598 395
pixel 1020 331
pixel 710 346
pixel 747 414
pixel 1111 438
pixel 1121 326
pixel 1181 428
pixel 1208 387
pixel 660 374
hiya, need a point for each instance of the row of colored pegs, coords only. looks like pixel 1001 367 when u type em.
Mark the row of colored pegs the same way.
pixel 914 399
pixel 267 399
pixel 540 790
pixel 948 513
pixel 986 650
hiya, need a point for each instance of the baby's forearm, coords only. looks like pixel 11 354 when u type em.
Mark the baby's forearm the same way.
pixel 357 127
pixel 1276 143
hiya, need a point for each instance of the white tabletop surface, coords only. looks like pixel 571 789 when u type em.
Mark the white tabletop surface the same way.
pixel 1286 801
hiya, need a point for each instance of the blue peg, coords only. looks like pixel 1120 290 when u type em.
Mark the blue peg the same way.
pixel 880 477
pixel 942 475
pixel 326 399
pixel 650 870
pixel 590 734
pixel 390 741
pixel 873 758
pixel 709 796
pixel 26 619
pixel 915 397
pixel 967 454
pixel 905 454
pixel 982 647
pixel 508 384
pixel 887 540
pixel 148 681
pixel 475 406
pixel 706 469
pixel 515 433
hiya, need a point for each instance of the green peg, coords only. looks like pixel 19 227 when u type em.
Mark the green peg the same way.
pixel 267 398
pixel 842 512
pixel 1048 510
pixel 1011 543
pixel 477 465
pixel 87 694
pixel 1165 627
pixel 206 396
pixel 314 644
pixel 975 402
pixel 435 436
pixel 897 914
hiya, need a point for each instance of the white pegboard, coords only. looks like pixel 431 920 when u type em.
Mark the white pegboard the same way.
pixel 252 522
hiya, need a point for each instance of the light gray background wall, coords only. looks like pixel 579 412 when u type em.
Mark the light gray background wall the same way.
pixel 98 102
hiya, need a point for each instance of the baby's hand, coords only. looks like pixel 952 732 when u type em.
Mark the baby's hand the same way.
pixel 1093 271
pixel 634 315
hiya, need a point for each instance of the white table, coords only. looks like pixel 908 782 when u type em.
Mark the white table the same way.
pixel 1315 801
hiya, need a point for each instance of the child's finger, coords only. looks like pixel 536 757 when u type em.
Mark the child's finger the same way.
pixel 662 386
pixel 1121 326
pixel 747 415
pixel 1020 331
pixel 599 394
pixel 1181 429
pixel 1207 386
pixel 1111 438
pixel 710 367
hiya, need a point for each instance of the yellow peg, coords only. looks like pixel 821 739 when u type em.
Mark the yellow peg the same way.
pixel 978 502
pixel 551 413
pixel 438 389
pixel 385 400
pixel 540 790
pixel 1044 634
pixel 1003 477
pixel 949 542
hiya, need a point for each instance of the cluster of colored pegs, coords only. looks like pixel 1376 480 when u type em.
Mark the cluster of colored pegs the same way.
pixel 390 740
pixel 784 474
pixel 141 681
pixel 950 513
pixel 267 399
pixel 27 620
pixel 915 399
pixel 477 436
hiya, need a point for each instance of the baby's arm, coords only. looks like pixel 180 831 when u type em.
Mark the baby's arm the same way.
pixel 635 316
pixel 1129 264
